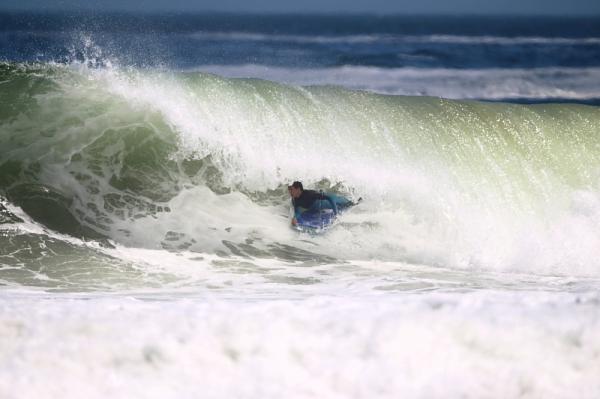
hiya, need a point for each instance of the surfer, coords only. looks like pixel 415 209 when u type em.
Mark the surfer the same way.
pixel 308 200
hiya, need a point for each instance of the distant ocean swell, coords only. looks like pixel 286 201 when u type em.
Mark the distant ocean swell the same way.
pixel 395 38
pixel 530 85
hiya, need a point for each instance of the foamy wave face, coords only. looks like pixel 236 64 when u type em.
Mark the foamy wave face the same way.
pixel 420 345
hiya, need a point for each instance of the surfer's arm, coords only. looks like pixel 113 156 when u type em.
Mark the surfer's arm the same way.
pixel 297 212
pixel 332 202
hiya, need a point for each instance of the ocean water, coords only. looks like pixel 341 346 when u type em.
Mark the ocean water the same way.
pixel 145 244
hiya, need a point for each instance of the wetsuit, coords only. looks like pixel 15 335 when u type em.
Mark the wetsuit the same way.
pixel 311 200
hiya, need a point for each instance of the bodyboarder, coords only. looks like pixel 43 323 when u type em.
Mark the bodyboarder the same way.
pixel 311 201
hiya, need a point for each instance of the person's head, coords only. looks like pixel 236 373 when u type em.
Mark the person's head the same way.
pixel 295 189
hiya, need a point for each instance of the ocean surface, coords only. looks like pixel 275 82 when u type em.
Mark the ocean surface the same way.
pixel 145 240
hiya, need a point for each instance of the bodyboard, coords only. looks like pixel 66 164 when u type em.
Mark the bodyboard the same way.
pixel 315 221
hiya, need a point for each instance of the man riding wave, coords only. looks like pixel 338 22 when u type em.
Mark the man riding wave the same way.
pixel 313 201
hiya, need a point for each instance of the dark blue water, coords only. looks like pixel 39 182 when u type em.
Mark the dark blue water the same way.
pixel 563 54
pixel 398 41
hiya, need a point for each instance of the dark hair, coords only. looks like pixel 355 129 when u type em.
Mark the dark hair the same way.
pixel 297 184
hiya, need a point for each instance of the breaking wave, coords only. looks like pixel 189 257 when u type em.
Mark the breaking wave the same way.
pixel 197 163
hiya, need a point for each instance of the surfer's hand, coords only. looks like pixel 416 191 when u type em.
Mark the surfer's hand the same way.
pixel 294 222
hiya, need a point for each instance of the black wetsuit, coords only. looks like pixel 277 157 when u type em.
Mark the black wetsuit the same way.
pixel 308 198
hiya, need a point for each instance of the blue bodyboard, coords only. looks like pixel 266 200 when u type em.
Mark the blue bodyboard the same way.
pixel 315 221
